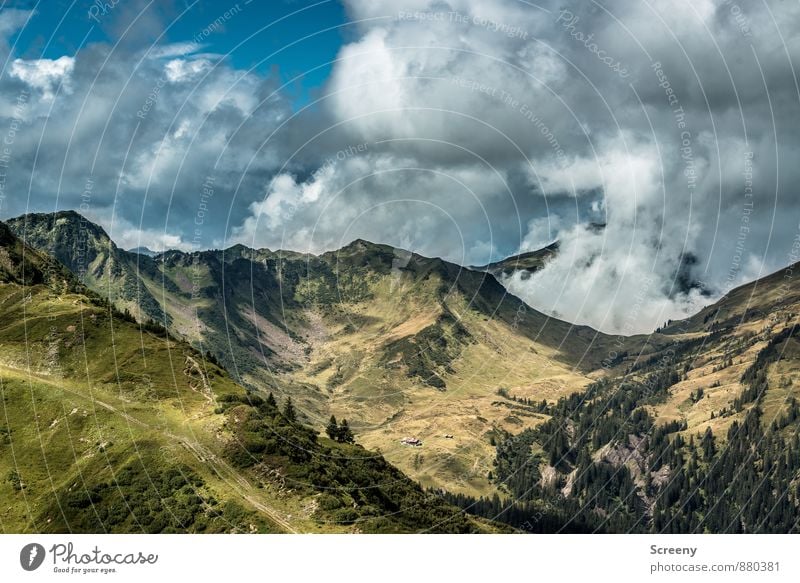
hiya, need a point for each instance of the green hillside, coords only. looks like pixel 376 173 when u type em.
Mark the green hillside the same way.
pixel 701 435
pixel 110 427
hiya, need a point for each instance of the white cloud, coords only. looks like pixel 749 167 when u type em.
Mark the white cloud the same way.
pixel 12 19
pixel 542 231
pixel 174 50
pixel 44 75
pixel 438 213
pixel 181 70
pixel 128 235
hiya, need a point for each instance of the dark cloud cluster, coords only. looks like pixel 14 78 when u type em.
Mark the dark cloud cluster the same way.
pixel 462 129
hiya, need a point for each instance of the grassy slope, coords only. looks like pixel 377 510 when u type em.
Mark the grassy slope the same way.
pixel 105 427
pixel 367 371
pixel 79 408
pixel 731 333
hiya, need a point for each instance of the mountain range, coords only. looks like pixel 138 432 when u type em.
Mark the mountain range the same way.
pixel 484 402
pixel 143 251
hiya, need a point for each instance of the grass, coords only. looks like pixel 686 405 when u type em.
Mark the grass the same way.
pixel 79 407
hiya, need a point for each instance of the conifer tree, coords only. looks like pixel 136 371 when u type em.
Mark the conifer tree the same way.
pixel 345 435
pixel 289 412
pixel 333 428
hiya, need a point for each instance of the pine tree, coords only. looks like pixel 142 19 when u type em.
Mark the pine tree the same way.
pixel 333 428
pixel 708 445
pixel 345 435
pixel 271 401
pixel 289 412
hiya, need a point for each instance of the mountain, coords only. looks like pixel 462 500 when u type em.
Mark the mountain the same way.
pixel 23 266
pixel 759 301
pixel 399 344
pixel 87 250
pixel 495 407
pixel 143 251
pixel 527 263
pixel 530 262
pixel 699 435
pixel 110 426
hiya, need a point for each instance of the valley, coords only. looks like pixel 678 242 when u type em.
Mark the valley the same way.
pixel 486 403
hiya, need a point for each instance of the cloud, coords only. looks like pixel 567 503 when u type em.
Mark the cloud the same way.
pixel 12 19
pixel 44 75
pixel 465 129
pixel 181 71
pixel 128 235
pixel 146 132
pixel 174 50
pixel 650 118
pixel 376 196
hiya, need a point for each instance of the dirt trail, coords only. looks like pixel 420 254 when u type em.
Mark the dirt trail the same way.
pixel 192 366
pixel 233 479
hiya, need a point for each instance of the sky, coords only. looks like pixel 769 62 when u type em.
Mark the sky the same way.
pixel 462 129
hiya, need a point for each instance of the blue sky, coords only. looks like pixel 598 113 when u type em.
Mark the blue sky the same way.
pixel 268 35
